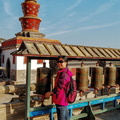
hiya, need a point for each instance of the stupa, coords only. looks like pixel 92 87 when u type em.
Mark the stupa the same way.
pixel 30 22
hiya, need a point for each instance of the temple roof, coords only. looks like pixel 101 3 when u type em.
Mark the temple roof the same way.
pixel 52 50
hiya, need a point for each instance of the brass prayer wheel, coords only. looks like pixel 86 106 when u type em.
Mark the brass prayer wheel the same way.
pixel 82 78
pixel 96 77
pixel 118 75
pixel 110 76
pixel 43 80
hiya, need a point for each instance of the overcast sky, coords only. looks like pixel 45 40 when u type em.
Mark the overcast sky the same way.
pixel 77 22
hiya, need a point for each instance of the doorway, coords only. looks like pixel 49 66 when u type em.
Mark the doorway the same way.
pixel 8 68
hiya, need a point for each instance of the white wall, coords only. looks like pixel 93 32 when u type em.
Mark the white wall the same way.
pixel 19 61
pixel 34 65
pixel 7 54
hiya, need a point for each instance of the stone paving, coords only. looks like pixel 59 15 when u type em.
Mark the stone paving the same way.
pixel 111 115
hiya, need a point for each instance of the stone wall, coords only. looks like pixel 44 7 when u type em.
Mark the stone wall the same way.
pixel 13 111
pixel 16 111
pixel 21 76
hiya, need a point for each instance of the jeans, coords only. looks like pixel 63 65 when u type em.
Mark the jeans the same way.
pixel 62 112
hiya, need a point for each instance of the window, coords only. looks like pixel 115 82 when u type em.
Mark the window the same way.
pixel 39 61
pixel 14 59
pixel 3 58
pixel 25 60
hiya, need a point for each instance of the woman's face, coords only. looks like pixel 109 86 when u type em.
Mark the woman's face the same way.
pixel 61 63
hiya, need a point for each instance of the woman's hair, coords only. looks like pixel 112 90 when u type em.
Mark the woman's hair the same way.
pixel 63 57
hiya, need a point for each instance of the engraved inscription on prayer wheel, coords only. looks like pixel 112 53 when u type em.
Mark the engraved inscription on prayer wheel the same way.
pixel 96 77
pixel 118 75
pixel 110 76
pixel 82 78
pixel 43 80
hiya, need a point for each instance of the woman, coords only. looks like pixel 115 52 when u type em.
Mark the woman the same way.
pixel 58 93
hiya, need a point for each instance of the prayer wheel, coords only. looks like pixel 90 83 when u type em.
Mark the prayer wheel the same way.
pixel 118 75
pixel 110 76
pixel 82 78
pixel 43 80
pixel 96 77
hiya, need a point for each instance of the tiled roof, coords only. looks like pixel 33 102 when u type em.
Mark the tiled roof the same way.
pixel 39 49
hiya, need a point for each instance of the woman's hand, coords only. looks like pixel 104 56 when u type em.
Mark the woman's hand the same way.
pixel 48 94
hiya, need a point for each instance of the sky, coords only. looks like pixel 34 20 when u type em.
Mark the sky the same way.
pixel 77 22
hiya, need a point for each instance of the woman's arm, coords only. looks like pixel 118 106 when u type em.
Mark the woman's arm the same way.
pixel 48 94
pixel 62 80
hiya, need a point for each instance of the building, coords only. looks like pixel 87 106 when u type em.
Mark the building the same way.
pixel 30 22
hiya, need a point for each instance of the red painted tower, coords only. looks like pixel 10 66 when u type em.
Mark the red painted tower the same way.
pixel 30 22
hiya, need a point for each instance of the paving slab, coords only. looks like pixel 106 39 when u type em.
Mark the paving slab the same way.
pixel 111 115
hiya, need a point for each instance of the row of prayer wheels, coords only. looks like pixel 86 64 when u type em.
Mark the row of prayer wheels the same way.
pixel 99 79
pixel 107 77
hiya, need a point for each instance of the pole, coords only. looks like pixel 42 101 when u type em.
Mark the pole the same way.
pixel 28 77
